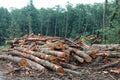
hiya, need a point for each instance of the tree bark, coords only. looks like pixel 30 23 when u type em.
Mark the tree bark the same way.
pixel 47 64
pixel 37 54
pixel 81 60
pixel 69 66
pixel 108 65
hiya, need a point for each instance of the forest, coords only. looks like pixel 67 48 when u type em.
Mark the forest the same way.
pixel 100 19
pixel 59 43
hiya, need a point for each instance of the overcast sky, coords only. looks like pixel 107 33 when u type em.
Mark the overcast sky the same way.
pixel 43 3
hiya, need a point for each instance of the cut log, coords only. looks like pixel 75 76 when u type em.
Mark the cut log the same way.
pixel 106 47
pixel 40 42
pixel 117 70
pixel 47 64
pixel 112 54
pixel 37 54
pixel 86 57
pixel 69 66
pixel 73 72
pixel 106 60
pixel 108 65
pixel 56 45
pixel 82 54
pixel 57 53
pixel 79 59
pixel 36 66
pixel 36 39
pixel 21 61
pixel 24 62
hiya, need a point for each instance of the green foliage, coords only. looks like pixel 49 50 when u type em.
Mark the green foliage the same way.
pixel 84 19
pixel 111 35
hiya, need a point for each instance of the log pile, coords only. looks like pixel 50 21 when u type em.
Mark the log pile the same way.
pixel 59 54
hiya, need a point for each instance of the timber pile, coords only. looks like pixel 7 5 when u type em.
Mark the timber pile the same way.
pixel 58 54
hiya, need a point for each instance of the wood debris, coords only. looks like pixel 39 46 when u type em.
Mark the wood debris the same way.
pixel 55 53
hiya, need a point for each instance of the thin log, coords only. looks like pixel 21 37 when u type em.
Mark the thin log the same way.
pixel 36 39
pixel 45 63
pixel 106 60
pixel 69 66
pixel 117 70
pixel 108 65
pixel 106 47
pixel 112 54
pixel 53 38
pixel 40 42
pixel 70 41
pixel 73 72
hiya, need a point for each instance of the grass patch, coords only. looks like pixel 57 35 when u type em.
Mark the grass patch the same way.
pixel 4 47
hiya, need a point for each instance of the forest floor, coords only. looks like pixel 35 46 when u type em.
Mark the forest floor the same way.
pixel 9 71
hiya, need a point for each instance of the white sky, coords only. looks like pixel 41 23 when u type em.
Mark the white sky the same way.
pixel 43 3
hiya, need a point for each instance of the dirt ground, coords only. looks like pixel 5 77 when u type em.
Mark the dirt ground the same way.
pixel 11 71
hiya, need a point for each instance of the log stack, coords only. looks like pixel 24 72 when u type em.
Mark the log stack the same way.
pixel 57 54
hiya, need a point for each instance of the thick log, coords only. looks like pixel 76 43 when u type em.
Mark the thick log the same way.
pixel 56 45
pixel 37 54
pixel 79 59
pixel 108 65
pixel 24 62
pixel 21 61
pixel 45 63
pixel 57 53
pixel 69 66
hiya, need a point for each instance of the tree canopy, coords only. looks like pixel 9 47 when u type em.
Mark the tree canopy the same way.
pixel 82 19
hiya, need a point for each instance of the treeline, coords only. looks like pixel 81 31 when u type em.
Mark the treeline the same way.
pixel 83 19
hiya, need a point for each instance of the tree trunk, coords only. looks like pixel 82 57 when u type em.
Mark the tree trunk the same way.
pixel 47 64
